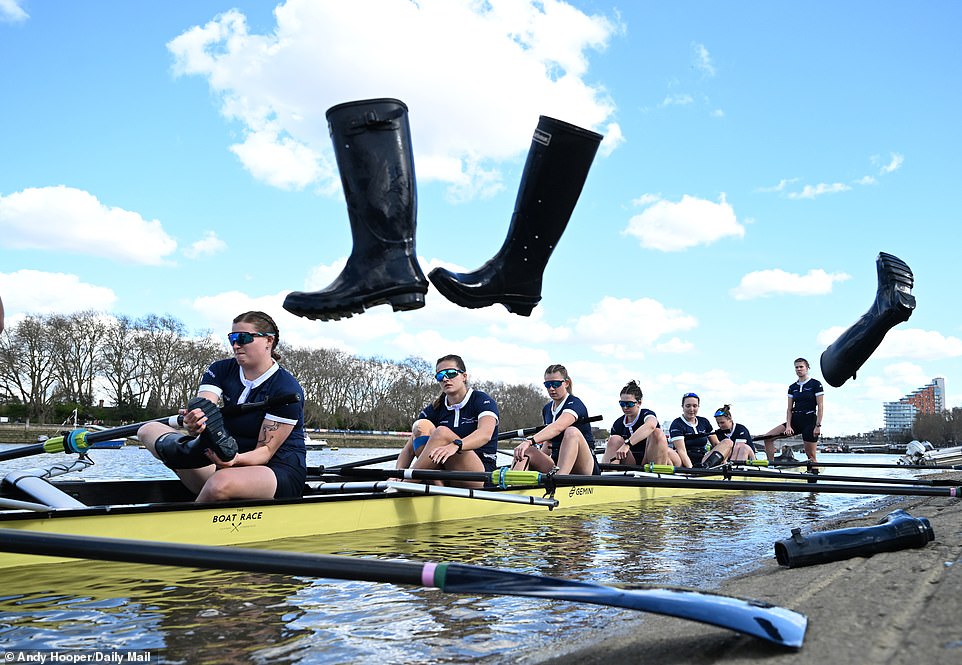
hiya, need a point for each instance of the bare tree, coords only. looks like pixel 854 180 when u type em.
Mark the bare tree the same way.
pixel 193 357
pixel 26 364
pixel 75 343
pixel 159 338
pixel 122 361
pixel 520 405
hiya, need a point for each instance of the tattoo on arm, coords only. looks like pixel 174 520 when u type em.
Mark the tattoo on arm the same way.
pixel 267 429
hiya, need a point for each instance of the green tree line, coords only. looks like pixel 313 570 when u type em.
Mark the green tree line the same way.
pixel 119 369
pixel 940 429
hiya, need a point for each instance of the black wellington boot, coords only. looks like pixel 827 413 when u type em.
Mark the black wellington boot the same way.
pixel 893 304
pixel 551 183
pixel 372 144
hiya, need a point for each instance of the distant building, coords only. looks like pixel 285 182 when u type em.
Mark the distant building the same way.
pixel 900 415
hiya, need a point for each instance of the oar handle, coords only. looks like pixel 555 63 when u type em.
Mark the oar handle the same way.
pixel 80 440
pixel 528 431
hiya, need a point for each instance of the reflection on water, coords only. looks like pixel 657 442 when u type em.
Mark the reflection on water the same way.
pixel 208 616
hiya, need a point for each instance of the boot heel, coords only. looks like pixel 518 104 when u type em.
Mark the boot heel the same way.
pixel 407 301
pixel 521 309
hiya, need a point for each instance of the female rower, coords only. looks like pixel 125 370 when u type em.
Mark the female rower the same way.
pixel 456 432
pixel 736 444
pixel 684 431
pixel 637 437
pixel 564 444
pixel 239 454
pixel 806 408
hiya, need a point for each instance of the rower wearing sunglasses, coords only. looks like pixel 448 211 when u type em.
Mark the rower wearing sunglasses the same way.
pixel 239 454
pixel 636 437
pixel 736 443
pixel 691 448
pixel 562 445
pixel 456 432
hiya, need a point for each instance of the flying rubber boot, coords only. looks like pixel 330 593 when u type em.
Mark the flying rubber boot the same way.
pixel 554 174
pixel 372 144
pixel 893 304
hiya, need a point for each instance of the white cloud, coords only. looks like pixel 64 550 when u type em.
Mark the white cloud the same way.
pixel 475 76
pixel 279 161
pixel 677 99
pixel 701 59
pixel 813 191
pixel 37 292
pixel 64 219
pixel 613 139
pixel 671 227
pixel 641 323
pixel 763 283
pixel 895 162
pixel 12 12
pixel 780 187
pixel 866 180
pixel 208 245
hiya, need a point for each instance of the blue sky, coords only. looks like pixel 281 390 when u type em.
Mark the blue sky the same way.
pixel 174 158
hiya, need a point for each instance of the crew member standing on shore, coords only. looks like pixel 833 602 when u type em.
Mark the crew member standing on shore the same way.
pixel 806 407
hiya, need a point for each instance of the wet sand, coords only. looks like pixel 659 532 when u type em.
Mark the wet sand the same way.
pixel 894 608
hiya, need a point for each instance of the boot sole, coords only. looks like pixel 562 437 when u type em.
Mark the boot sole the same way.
pixel 520 305
pixel 399 302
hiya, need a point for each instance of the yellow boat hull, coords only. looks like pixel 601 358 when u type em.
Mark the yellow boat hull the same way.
pixel 251 522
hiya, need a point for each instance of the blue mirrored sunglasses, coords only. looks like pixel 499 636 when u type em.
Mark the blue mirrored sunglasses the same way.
pixel 626 405
pixel 695 395
pixel 553 384
pixel 720 413
pixel 242 338
pixel 447 374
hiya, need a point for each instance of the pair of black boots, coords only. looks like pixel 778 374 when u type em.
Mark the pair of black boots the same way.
pixel 372 145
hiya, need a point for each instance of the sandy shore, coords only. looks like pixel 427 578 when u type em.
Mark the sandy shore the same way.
pixel 892 608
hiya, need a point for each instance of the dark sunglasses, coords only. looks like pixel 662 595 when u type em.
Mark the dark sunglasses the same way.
pixel 447 374
pixel 242 338
pixel 626 405
pixel 553 384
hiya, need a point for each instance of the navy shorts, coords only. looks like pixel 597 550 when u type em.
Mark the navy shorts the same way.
pixel 805 423
pixel 290 479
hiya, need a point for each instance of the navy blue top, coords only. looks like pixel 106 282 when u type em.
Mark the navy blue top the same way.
pixel 740 433
pixel 575 407
pixel 463 419
pixel 696 447
pixel 804 395
pixel 625 429
pixel 225 378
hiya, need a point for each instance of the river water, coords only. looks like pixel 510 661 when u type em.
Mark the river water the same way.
pixel 191 616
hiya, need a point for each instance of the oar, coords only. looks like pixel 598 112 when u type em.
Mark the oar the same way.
pixel 80 440
pixel 512 434
pixel 853 465
pixel 728 471
pixel 320 470
pixel 757 619
pixel 505 478
pixel 528 431
pixel 726 432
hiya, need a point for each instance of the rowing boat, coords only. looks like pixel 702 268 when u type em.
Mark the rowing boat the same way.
pixel 163 510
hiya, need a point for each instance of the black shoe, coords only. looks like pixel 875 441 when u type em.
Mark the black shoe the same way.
pixel 215 436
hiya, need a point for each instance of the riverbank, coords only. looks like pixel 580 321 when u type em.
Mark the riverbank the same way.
pixel 896 608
